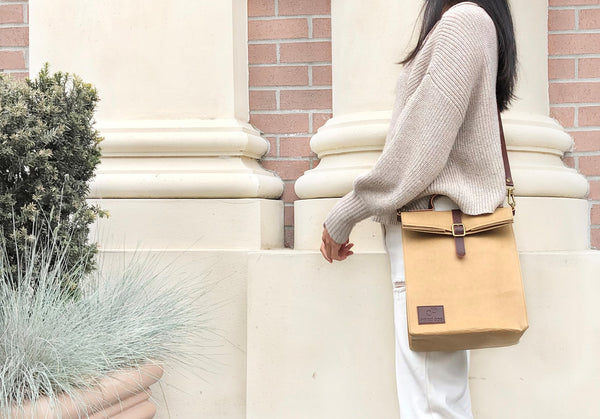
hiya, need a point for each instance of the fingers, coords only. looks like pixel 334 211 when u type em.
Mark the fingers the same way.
pixel 334 251
pixel 324 253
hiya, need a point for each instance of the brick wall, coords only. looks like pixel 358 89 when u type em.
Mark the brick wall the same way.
pixel 290 84
pixel 14 37
pixel 574 72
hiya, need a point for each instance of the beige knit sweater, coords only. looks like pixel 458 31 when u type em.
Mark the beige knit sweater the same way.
pixel 444 135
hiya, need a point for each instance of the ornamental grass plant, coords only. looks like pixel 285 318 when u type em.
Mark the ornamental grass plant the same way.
pixel 54 344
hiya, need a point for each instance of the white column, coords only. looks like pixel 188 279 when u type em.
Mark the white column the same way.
pixel 363 82
pixel 173 81
pixel 172 76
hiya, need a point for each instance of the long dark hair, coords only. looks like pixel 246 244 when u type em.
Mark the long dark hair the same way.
pixel 499 11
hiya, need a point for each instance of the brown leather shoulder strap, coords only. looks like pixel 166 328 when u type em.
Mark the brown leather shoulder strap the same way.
pixel 507 174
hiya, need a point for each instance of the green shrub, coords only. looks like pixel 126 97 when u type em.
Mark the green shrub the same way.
pixel 49 150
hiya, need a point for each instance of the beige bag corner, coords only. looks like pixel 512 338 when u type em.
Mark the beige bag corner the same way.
pixel 471 302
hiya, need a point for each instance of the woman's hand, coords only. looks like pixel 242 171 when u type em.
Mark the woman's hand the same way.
pixel 334 251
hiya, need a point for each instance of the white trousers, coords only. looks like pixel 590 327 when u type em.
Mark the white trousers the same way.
pixel 430 385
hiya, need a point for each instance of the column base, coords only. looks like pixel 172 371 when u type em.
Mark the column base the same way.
pixel 189 224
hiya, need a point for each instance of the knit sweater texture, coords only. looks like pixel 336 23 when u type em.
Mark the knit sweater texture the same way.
pixel 444 136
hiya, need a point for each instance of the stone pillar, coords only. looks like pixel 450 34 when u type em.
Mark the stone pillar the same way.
pixel 172 76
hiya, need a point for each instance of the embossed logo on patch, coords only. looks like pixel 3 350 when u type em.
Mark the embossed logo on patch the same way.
pixel 431 314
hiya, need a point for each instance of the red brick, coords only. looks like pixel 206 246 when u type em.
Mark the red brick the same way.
pixel 589 165
pixel 561 20
pixel 319 119
pixel 561 68
pixel 589 19
pixel 572 2
pixel 589 67
pixel 288 215
pixel 288 237
pixel 291 123
pixel 586 140
pixel 321 27
pixel 596 214
pixel 595 236
pixel 304 7
pixel 295 147
pixel 12 60
pixel 289 194
pixel 569 162
pixel 262 54
pixel 287 169
pixel 261 8
pixel 589 116
pixel 298 52
pixel 11 13
pixel 583 43
pixel 321 75
pixel 262 100
pixel 279 76
pixel 277 29
pixel 305 99
pixel 594 190
pixel 14 37
pixel 272 147
pixel 575 92
pixel 565 116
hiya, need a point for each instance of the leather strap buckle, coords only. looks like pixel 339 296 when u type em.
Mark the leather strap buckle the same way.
pixel 458 230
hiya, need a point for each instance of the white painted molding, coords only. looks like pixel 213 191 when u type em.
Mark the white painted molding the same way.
pixel 215 158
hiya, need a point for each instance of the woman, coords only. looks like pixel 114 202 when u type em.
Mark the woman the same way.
pixel 443 139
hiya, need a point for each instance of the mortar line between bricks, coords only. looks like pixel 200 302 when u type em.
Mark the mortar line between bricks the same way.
pixel 575 32
pixel 584 129
pixel 310 27
pixel 580 105
pixel 574 7
pixel 25 14
pixel 290 111
pixel 292 87
pixel 582 55
pixel 289 41
pixel 571 81
pixel 576 80
pixel 577 69
pixel 254 18
pixel 575 105
pixel 276 7
pixel 288 158
pixel 2 49
pixel 584 153
pixel 300 64
pixel 13 25
pixel 14 70
pixel 576 19
pixel 576 116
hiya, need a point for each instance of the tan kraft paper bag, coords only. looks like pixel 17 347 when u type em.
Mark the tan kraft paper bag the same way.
pixel 471 301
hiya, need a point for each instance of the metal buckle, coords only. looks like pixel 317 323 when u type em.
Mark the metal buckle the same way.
pixel 510 194
pixel 455 234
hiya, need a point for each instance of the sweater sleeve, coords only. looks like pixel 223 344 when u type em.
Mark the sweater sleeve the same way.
pixel 424 132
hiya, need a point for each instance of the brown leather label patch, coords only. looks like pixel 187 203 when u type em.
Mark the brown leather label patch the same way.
pixel 431 314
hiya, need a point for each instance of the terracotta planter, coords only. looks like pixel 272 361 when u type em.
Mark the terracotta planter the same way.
pixel 123 395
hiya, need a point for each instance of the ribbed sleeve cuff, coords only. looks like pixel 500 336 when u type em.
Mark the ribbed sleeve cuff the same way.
pixel 344 215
